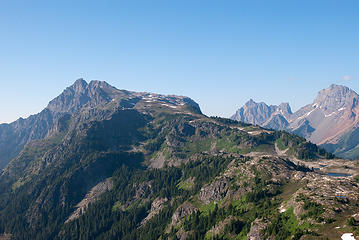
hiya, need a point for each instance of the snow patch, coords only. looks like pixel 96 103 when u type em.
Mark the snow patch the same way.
pixel 149 98
pixel 310 112
pixel 169 105
pixel 330 114
pixel 306 115
pixel 348 236
pixel 339 110
pixel 282 209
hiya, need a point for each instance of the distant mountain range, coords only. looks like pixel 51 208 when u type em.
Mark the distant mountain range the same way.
pixel 330 121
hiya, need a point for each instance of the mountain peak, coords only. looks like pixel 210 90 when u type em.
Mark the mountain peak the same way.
pixel 254 113
pixel 285 107
pixel 250 103
pixel 335 96
pixel 79 94
pixel 79 85
pixel 98 83
pixel 80 81
pixel 334 89
pixel 337 86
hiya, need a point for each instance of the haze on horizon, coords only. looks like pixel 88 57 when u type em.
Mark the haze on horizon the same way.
pixel 219 54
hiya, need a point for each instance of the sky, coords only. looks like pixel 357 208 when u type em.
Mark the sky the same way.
pixel 219 53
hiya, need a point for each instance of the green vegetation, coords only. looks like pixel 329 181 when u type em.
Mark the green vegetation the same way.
pixel 351 221
pixel 313 210
pixel 116 206
pixel 280 144
pixel 186 184
pixel 52 176
pixel 260 202
pixel 299 147
pixel 197 146
pixel 285 226
pixel 229 121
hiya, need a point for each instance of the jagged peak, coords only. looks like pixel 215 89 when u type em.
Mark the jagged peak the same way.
pixel 285 107
pixel 335 96
pixel 77 95
pixel 251 102
pixel 334 89
pixel 79 85
pixel 337 86
pixel 80 81
pixel 98 83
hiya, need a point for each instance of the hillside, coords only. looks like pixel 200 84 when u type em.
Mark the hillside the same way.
pixel 117 164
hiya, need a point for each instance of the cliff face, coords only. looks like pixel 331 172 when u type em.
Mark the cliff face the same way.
pixel 261 114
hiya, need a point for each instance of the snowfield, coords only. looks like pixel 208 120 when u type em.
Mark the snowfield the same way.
pixel 348 236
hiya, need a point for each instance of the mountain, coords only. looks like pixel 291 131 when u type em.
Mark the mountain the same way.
pixel 330 121
pixel 264 115
pixel 73 100
pixel 116 164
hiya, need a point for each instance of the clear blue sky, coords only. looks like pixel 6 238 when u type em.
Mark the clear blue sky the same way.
pixel 220 53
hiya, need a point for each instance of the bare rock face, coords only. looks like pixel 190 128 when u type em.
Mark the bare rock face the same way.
pixel 220 226
pixel 142 194
pixel 91 197
pixel 261 114
pixel 182 235
pixel 14 136
pixel 255 233
pixel 5 236
pixel 156 206
pixel 214 191
pixel 182 211
pixel 158 161
pixel 254 113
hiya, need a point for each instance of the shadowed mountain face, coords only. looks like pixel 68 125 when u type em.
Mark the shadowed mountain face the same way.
pixel 77 98
pixel 330 120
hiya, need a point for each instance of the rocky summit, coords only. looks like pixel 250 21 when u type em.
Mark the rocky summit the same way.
pixel 74 101
pixel 104 163
pixel 330 121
